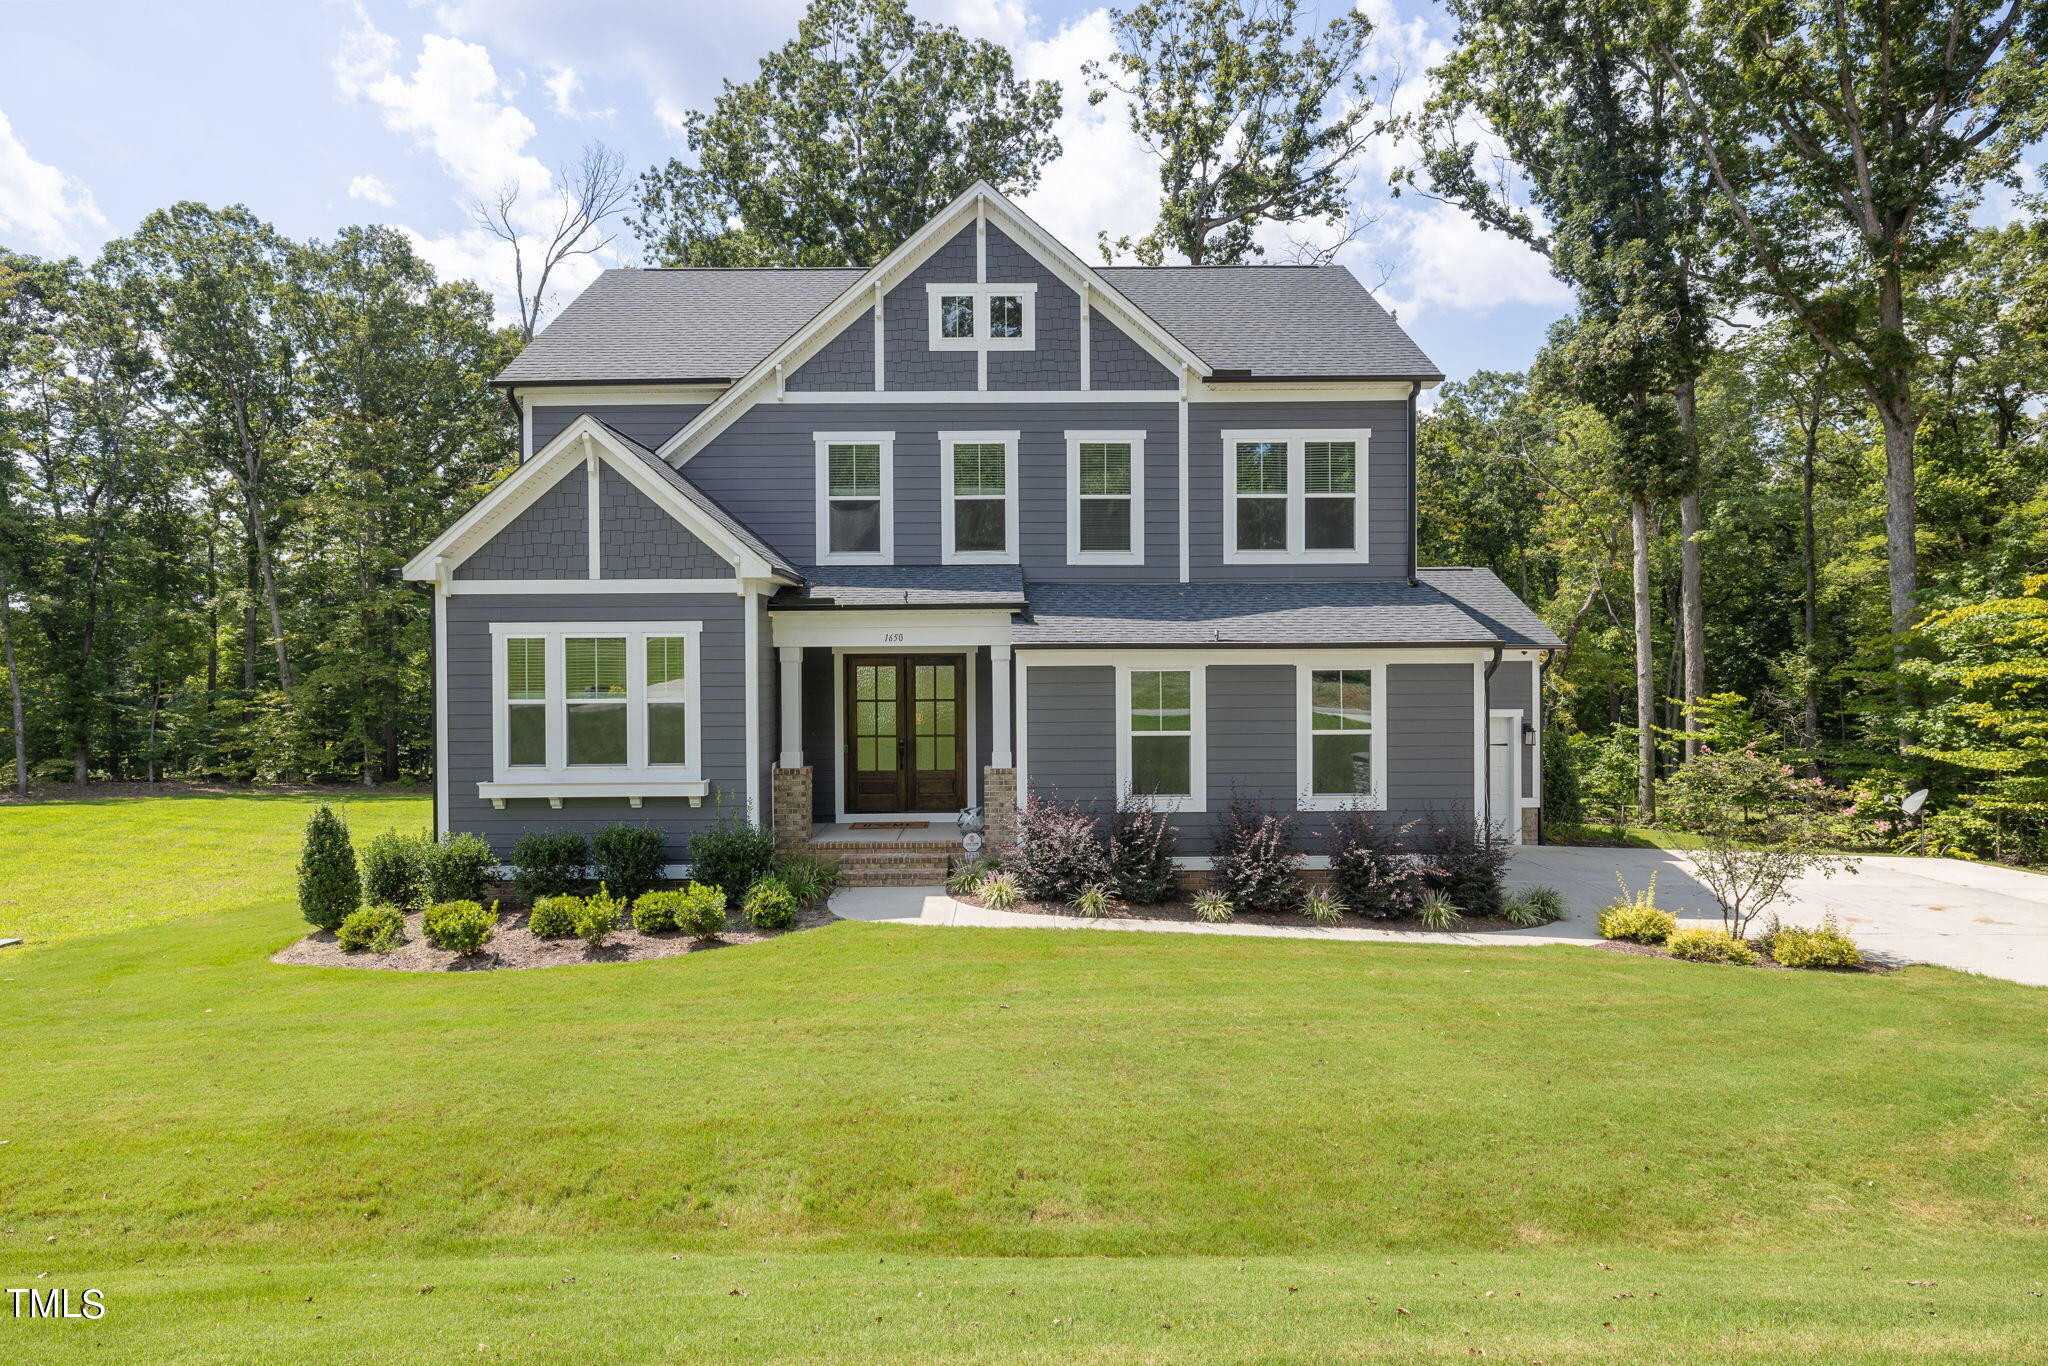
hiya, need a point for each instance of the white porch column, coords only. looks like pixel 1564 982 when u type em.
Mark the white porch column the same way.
pixel 792 657
pixel 1000 755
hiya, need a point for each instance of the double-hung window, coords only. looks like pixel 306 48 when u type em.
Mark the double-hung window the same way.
pixel 1105 497
pixel 1294 497
pixel 581 701
pixel 982 317
pixel 979 471
pixel 1340 755
pixel 856 497
pixel 1161 755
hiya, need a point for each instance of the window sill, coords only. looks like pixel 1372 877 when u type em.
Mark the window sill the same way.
pixel 857 557
pixel 633 789
pixel 977 557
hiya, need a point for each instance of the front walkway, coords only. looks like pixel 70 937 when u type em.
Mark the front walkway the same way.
pixel 1969 916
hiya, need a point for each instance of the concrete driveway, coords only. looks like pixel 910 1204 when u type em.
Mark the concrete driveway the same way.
pixel 1902 910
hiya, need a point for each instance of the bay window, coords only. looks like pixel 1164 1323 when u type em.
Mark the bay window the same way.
pixel 1294 497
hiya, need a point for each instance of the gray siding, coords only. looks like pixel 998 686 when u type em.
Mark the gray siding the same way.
pixel 468 758
pixel 910 361
pixel 1387 490
pixel 845 362
pixel 1250 737
pixel 642 541
pixel 1510 690
pixel 1054 362
pixel 650 424
pixel 550 540
pixel 1117 362
pixel 763 469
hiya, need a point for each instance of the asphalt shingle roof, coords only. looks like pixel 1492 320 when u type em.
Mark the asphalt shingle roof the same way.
pixel 703 501
pixel 1448 607
pixel 648 326
pixel 638 326
pixel 1290 322
pixel 907 585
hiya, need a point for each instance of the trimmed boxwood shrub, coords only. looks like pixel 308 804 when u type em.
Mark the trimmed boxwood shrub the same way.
pixel 731 855
pixel 629 858
pixel 597 917
pixel 458 868
pixel 394 871
pixel 554 917
pixel 329 886
pixel 377 928
pixel 549 862
pixel 655 912
pixel 701 911
pixel 462 926
pixel 1255 864
pixel 769 905
pixel 1060 851
pixel 1706 944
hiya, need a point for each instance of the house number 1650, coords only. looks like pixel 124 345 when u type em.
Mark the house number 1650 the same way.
pixel 892 638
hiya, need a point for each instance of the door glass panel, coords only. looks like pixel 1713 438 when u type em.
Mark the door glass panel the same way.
pixel 935 719
pixel 874 718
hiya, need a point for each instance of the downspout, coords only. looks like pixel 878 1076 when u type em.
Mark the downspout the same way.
pixel 1486 739
pixel 1414 391
pixel 1542 807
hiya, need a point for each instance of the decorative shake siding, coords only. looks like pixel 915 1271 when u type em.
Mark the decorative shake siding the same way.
pixel 845 362
pixel 550 540
pixel 1055 362
pixel 910 362
pixel 641 541
pixel 1117 362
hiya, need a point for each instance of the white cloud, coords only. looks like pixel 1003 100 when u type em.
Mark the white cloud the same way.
pixel 40 204
pixel 370 188
pixel 564 84
pixel 1448 261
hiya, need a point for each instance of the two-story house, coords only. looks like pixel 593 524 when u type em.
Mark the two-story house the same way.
pixel 844 545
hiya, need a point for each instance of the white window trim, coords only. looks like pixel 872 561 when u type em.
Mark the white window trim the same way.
pixel 558 769
pixel 1297 497
pixel 1304 746
pixel 1197 801
pixel 981 340
pixel 822 443
pixel 947 553
pixel 1136 554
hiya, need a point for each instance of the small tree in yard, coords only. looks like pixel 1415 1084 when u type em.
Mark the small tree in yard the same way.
pixel 1760 826
pixel 329 886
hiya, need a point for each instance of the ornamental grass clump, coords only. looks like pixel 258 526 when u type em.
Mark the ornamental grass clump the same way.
pixel 769 905
pixel 1321 907
pixel 1533 906
pixel 810 879
pixel 1635 917
pixel 554 917
pixel 329 886
pixel 1212 907
pixel 999 891
pixel 1707 944
pixel 394 871
pixel 1823 947
pixel 373 929
pixel 461 926
pixel 966 879
pixel 1096 900
pixel 1438 912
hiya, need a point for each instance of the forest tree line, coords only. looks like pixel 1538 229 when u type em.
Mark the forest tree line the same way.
pixel 1777 478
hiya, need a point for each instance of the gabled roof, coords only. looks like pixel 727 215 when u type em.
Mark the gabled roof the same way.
pixel 719 324
pixel 703 501
pixel 1449 607
pixel 1275 322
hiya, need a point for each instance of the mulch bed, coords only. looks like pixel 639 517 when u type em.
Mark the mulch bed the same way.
pixel 514 946
pixel 1763 958
pixel 1184 913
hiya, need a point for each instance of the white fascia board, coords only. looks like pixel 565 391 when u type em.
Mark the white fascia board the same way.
pixel 576 395
pixel 1319 656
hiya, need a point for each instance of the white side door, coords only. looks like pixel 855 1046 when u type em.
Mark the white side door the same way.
pixel 1504 779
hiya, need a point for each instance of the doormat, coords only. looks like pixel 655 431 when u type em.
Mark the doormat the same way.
pixel 890 825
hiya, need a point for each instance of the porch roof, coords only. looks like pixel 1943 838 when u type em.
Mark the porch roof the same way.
pixel 1446 607
pixel 905 585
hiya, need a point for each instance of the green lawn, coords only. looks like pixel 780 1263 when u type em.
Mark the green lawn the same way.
pixel 1171 1148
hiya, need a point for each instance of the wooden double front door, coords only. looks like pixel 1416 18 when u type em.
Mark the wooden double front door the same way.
pixel 906 733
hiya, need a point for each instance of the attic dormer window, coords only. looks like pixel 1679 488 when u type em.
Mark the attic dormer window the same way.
pixel 982 317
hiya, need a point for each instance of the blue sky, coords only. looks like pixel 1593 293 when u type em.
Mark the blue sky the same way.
pixel 317 115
